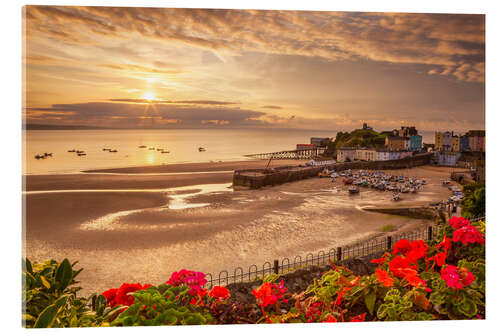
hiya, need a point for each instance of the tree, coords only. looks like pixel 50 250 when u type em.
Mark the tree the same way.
pixel 474 203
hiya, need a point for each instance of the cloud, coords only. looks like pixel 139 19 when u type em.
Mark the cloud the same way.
pixel 121 114
pixel 274 107
pixel 202 102
pixel 141 69
pixel 453 43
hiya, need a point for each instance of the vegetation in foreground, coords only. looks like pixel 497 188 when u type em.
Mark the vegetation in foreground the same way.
pixel 418 280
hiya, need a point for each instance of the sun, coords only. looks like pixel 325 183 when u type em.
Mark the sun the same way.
pixel 148 96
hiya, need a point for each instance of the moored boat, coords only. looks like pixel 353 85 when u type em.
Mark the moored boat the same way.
pixel 353 190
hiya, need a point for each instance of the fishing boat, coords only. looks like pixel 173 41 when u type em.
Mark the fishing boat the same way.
pixel 47 154
pixel 37 156
pixel 81 154
pixel 143 146
pixel 72 151
pixel 323 173
pixel 396 197
pixel 348 181
pixel 106 149
pixel 165 152
pixel 353 190
pixel 113 151
pixel 152 148
pixel 201 149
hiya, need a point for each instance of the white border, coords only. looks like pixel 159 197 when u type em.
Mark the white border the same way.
pixel 11 147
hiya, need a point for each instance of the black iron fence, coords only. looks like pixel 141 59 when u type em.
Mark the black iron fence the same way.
pixel 322 258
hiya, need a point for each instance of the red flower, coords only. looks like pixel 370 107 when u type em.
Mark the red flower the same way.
pixel 378 261
pixel 468 234
pixel 269 294
pixel 412 277
pixel 384 278
pixel 458 222
pixel 110 296
pixel 330 319
pixel 123 295
pixel 440 258
pixel 398 265
pixel 445 244
pixel 418 248
pixel 358 318
pixel 219 293
pixel 402 246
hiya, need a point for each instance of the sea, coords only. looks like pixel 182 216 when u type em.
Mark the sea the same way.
pixel 183 146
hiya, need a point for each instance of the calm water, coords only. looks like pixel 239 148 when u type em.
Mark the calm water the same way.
pixel 221 145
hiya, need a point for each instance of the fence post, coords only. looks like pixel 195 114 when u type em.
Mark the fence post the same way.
pixel 429 233
pixel 93 299
pixel 339 254
pixel 389 242
pixel 276 267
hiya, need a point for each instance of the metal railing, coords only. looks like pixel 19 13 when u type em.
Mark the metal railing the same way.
pixel 322 258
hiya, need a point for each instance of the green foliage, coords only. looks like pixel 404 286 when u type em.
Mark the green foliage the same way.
pixel 165 305
pixel 398 308
pixel 363 138
pixel 388 228
pixel 474 202
pixel 50 297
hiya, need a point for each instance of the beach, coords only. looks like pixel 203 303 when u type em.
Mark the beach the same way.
pixel 141 224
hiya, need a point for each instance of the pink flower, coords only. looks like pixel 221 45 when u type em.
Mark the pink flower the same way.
pixel 468 234
pixel 456 277
pixel 195 280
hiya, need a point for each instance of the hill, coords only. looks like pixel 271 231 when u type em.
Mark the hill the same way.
pixel 359 137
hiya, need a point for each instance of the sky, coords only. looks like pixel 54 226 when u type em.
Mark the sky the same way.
pixel 200 68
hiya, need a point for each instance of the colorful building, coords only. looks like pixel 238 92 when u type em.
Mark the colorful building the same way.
pixel 366 154
pixel 447 157
pixel 383 155
pixel 464 143
pixel 346 154
pixel 477 140
pixel 319 142
pixel 442 141
pixel 305 146
pixel 395 142
pixel 455 143
pixel 415 143
pixel 407 131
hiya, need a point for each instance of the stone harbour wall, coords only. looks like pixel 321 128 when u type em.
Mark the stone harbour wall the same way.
pixel 257 178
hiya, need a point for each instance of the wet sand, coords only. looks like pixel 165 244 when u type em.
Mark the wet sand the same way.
pixel 144 227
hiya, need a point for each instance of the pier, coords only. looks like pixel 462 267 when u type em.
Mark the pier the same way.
pixel 256 178
pixel 301 154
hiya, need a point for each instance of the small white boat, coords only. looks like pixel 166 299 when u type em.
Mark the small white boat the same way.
pixel 396 197
pixel 353 190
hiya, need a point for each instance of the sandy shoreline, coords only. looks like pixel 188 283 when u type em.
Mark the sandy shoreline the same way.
pixel 130 232
pixel 199 167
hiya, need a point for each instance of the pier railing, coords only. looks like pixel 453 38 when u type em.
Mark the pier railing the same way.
pixel 300 154
pixel 322 258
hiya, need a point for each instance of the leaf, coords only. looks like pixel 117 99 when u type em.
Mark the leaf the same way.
pixel 47 317
pixel 45 283
pixel 370 301
pixel 64 274
pixel 29 268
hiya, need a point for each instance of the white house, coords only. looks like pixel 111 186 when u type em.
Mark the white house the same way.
pixel 383 155
pixel 366 154
pixel 345 154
